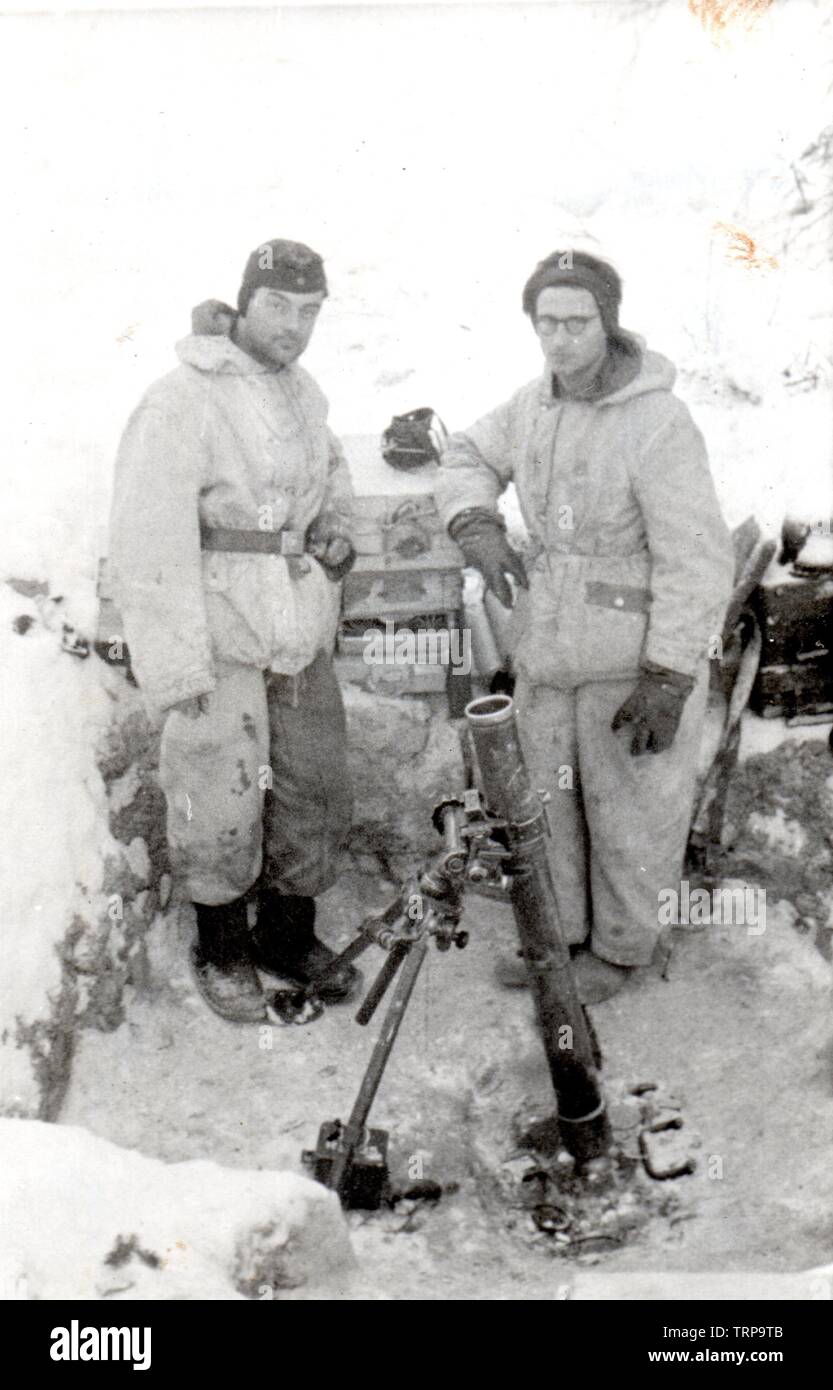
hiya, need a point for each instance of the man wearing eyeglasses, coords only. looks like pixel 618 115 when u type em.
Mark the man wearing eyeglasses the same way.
pixel 625 585
pixel 229 536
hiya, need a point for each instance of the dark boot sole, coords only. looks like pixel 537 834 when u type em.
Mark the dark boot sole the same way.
pixel 329 993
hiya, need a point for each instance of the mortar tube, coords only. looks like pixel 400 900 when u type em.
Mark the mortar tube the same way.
pixel 487 658
pixel 582 1115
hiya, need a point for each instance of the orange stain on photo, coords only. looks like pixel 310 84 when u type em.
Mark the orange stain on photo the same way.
pixel 720 18
pixel 743 248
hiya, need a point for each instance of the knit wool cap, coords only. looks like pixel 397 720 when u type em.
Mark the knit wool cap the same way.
pixel 282 265
pixel 579 270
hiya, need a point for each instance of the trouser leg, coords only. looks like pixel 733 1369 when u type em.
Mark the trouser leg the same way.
pixel 547 727
pixel 309 807
pixel 638 813
pixel 211 770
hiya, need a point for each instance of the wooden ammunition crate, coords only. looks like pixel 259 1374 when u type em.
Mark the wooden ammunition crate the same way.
pixel 406 563
pixel 412 678
pixel 407 571
pixel 401 594
pixel 392 532
pixel 413 657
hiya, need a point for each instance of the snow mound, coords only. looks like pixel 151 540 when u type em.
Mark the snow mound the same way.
pixel 54 819
pixel 140 1229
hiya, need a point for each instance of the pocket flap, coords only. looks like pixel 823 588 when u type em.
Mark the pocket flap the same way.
pixel 625 597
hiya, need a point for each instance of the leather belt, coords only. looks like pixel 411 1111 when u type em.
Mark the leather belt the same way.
pixel 283 542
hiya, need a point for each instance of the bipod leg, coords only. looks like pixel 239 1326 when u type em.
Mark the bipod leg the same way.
pixel 371 933
pixel 377 990
pixel 354 1129
pixel 293 1005
pixel 347 956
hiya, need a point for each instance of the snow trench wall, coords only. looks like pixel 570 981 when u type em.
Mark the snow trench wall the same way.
pixel 85 869
pixel 88 877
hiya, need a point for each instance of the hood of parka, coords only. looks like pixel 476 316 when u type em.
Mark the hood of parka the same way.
pixel 629 369
pixel 217 353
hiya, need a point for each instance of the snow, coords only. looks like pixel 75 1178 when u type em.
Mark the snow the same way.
pixel 53 806
pixel 142 1229
pixel 759 735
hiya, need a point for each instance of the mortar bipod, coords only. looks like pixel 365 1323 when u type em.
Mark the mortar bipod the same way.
pixel 349 1158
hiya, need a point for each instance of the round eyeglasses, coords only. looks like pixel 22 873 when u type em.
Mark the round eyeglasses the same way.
pixel 546 325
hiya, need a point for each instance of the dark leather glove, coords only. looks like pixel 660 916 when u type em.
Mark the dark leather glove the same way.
pixel 481 535
pixel 328 541
pixel 654 709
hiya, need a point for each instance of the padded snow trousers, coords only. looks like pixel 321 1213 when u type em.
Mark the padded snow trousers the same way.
pixel 619 824
pixel 258 785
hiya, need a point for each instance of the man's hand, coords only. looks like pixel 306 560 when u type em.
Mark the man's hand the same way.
pixel 481 535
pixel 191 708
pixel 653 711
pixel 328 541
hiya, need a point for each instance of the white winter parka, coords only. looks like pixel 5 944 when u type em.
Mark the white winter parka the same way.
pixel 222 441
pixel 631 558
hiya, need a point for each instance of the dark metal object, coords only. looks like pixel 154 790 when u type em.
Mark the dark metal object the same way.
pixel 666 1154
pixel 341 1178
pixel 427 907
pixel 365 1185
pixel 795 619
pixel 793 692
pixel 582 1116
pixel 458 683
pixel 413 440
pixel 550 1218
pixel 731 680
pixel 795 676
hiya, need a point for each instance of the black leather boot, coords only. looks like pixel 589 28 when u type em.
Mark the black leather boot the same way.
pixel 223 969
pixel 285 944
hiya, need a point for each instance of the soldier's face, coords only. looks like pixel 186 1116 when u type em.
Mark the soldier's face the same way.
pixel 278 325
pixel 569 329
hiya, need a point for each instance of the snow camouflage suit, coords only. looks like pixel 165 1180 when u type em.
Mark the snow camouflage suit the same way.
pixel 630 560
pixel 225 441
